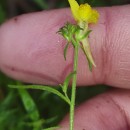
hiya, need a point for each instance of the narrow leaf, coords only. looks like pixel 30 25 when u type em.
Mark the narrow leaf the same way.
pixel 51 128
pixel 29 104
pixel 67 80
pixel 65 50
pixel 40 87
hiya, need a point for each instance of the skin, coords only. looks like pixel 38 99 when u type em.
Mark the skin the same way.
pixel 31 51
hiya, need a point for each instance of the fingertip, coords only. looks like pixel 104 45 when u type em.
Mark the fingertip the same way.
pixel 108 111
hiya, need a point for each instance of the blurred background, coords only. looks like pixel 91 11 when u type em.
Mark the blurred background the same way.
pixel 34 109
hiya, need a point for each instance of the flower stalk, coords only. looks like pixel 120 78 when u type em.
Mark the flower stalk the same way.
pixel 73 94
pixel 77 35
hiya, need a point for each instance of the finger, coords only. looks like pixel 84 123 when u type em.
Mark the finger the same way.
pixel 109 111
pixel 31 51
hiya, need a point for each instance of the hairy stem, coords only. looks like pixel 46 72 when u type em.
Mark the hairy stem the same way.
pixel 73 94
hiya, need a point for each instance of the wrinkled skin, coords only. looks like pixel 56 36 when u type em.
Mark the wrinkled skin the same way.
pixel 31 51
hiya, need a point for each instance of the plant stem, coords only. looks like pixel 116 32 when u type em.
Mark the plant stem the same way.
pixel 73 94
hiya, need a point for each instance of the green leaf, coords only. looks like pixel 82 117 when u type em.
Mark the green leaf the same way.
pixel 65 50
pixel 7 100
pixel 52 128
pixel 29 105
pixel 40 87
pixel 66 82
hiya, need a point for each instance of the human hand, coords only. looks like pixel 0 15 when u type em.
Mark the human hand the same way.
pixel 31 51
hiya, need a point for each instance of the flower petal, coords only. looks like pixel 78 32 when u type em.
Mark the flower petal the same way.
pixel 84 12
pixel 74 8
pixel 94 17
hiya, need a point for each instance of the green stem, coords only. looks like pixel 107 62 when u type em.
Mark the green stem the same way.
pixel 73 94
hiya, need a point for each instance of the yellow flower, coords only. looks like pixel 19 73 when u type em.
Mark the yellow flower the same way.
pixel 84 15
pixel 83 12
